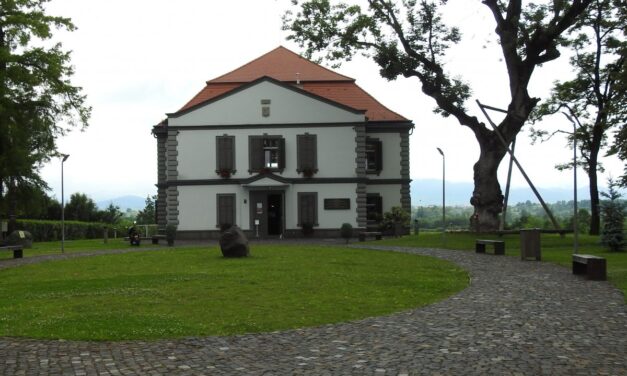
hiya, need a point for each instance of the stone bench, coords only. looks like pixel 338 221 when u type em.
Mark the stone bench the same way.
pixel 363 235
pixel 499 246
pixel 17 250
pixel 594 267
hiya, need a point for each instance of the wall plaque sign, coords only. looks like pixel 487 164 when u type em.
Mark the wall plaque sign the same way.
pixel 337 203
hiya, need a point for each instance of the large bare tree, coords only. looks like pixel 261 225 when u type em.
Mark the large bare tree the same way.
pixel 410 38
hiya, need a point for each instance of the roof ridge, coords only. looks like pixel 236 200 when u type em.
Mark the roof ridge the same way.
pixel 279 48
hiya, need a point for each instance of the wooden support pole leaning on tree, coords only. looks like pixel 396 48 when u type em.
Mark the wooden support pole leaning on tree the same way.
pixel 522 171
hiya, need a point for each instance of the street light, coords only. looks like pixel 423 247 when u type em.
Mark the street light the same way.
pixel 64 158
pixel 575 222
pixel 443 194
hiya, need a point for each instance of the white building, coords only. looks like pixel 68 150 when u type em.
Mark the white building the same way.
pixel 279 144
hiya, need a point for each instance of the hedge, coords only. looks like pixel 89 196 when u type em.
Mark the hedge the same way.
pixel 43 230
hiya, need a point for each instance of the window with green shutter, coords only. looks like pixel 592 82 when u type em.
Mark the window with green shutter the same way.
pixel 225 155
pixel 307 154
pixel 374 156
pixel 266 153
pixel 307 208
pixel 225 204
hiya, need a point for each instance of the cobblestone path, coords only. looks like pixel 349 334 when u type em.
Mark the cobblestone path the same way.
pixel 516 318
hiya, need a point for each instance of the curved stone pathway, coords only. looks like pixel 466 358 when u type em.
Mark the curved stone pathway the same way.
pixel 516 318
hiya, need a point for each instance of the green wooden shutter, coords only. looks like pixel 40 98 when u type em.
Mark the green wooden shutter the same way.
pixel 281 153
pixel 379 155
pixel 226 209
pixel 225 154
pixel 308 208
pixel 255 153
pixel 306 152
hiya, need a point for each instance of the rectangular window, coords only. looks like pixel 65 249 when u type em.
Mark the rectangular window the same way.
pixel 225 154
pixel 374 156
pixel 225 210
pixel 306 154
pixel 374 208
pixel 308 208
pixel 266 152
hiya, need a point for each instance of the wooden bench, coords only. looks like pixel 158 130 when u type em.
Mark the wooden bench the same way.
pixel 594 267
pixel 17 250
pixel 363 235
pixel 499 246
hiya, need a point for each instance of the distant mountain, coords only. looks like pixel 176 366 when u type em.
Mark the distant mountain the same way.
pixel 429 192
pixel 124 202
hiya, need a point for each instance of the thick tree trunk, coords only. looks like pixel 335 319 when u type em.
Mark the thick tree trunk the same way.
pixel 487 198
pixel 595 212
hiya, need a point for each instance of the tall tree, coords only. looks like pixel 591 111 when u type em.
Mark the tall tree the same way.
pixel 592 99
pixel 37 101
pixel 81 208
pixel 410 38
pixel 112 214
pixel 147 216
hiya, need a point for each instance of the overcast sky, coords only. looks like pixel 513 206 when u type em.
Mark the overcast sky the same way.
pixel 138 60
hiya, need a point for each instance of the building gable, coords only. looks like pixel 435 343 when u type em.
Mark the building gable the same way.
pixel 266 101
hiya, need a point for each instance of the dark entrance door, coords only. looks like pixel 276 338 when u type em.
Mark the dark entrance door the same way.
pixel 266 213
pixel 275 214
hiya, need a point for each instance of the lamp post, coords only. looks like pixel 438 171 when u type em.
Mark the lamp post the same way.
pixel 575 222
pixel 443 194
pixel 64 157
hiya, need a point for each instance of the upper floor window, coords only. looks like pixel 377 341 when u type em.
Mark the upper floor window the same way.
pixel 225 155
pixel 306 155
pixel 271 152
pixel 374 156
pixel 266 153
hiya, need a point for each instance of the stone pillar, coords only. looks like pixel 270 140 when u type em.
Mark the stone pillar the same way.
pixel 405 189
pixel 160 204
pixel 360 171
pixel 172 194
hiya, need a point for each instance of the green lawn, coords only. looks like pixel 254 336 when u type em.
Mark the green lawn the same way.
pixel 181 292
pixel 71 246
pixel 554 249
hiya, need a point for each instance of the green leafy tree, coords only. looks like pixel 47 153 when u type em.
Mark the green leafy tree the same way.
pixel 613 210
pixel 410 38
pixel 37 101
pixel 592 100
pixel 81 208
pixel 112 214
pixel 147 215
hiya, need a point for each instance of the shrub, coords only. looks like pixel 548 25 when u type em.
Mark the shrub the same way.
pixel 308 229
pixel 395 220
pixel 346 231
pixel 44 230
pixel 170 234
pixel 613 213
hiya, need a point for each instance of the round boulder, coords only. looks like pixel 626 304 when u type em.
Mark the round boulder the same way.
pixel 234 243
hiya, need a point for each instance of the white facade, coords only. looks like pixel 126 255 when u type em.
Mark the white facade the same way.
pixel 274 201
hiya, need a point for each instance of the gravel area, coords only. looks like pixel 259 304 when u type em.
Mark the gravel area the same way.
pixel 515 318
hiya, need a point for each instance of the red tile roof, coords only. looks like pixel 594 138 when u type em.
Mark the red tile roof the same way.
pixel 283 65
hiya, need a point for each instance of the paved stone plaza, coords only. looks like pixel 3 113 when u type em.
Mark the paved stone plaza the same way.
pixel 515 318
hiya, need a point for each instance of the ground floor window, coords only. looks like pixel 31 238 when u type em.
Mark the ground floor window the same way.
pixel 225 210
pixel 374 208
pixel 307 209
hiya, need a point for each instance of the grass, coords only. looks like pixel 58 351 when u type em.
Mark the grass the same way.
pixel 182 292
pixel 554 249
pixel 71 246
